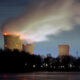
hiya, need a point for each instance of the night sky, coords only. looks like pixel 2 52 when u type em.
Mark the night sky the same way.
pixel 46 23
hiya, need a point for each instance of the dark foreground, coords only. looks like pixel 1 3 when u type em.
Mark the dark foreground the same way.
pixel 18 62
pixel 42 76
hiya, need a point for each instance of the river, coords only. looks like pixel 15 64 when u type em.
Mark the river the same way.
pixel 42 76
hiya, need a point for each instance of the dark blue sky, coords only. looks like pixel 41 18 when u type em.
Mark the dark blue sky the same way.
pixel 35 11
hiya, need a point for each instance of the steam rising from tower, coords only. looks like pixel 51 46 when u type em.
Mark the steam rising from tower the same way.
pixel 43 18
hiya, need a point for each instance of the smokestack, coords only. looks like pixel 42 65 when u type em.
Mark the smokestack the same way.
pixel 64 50
pixel 29 48
pixel 12 42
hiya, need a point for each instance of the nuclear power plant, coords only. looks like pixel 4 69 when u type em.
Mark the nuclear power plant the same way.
pixel 29 48
pixel 64 50
pixel 12 42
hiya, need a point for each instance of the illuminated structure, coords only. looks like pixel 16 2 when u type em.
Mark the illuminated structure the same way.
pixel 29 48
pixel 12 42
pixel 63 50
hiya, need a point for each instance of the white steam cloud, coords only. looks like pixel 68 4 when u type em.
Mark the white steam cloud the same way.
pixel 43 18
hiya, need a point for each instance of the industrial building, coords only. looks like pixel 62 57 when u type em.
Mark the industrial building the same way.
pixel 29 48
pixel 63 50
pixel 12 42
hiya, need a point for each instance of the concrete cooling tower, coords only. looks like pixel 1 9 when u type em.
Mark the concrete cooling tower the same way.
pixel 12 42
pixel 29 48
pixel 63 50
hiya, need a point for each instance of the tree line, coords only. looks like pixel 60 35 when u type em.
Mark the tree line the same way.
pixel 15 61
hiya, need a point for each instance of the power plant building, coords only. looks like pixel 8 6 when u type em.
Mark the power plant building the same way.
pixel 29 48
pixel 12 42
pixel 63 50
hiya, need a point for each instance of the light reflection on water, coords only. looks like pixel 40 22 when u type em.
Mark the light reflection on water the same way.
pixel 42 76
pixel 69 77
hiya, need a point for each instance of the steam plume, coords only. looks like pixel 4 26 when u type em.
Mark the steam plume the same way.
pixel 43 18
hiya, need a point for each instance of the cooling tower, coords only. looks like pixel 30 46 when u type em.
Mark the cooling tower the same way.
pixel 12 42
pixel 63 50
pixel 29 48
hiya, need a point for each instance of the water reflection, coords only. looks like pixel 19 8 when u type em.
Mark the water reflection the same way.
pixel 4 76
pixel 25 78
pixel 41 76
pixel 69 77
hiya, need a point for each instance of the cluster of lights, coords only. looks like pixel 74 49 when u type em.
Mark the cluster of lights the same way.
pixel 54 67
pixel 62 66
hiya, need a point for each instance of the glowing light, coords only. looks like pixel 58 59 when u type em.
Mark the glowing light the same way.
pixel 25 78
pixel 25 64
pixel 5 33
pixel 41 66
pixel 46 65
pixel 70 65
pixel 34 66
pixel 16 45
pixel 5 45
pixel 17 34
pixel 4 76
pixel 21 38
pixel 25 44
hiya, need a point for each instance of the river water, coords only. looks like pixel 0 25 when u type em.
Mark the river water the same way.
pixel 42 76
